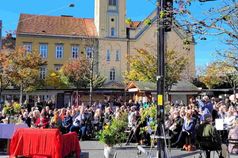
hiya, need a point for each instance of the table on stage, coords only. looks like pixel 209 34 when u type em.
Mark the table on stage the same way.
pixel 70 143
pixel 7 130
pixel 44 143
pixel 6 133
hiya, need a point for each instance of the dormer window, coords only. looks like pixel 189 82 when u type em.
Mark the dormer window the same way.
pixel 112 2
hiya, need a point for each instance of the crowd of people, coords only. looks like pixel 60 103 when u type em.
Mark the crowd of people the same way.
pixel 184 123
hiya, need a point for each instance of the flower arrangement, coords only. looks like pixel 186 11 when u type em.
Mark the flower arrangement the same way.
pixel 114 132
pixel 8 110
pixel 13 109
pixel 148 115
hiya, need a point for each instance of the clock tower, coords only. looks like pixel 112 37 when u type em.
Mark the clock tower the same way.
pixel 109 18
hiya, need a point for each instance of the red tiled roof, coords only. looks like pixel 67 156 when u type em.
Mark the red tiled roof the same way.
pixel 136 23
pixel 56 25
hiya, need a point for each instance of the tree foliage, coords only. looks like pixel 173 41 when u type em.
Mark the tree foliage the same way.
pixel 174 66
pixel 56 79
pixel 78 73
pixel 4 65
pixel 8 42
pixel 143 67
pixel 23 68
pixel 218 73
pixel 217 19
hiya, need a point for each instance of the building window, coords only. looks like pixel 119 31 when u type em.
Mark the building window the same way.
pixel 112 2
pixel 58 67
pixel 117 55
pixel 44 50
pixel 112 31
pixel 112 74
pixel 59 51
pixel 89 52
pixel 75 51
pixel 27 46
pixel 43 72
pixel 108 55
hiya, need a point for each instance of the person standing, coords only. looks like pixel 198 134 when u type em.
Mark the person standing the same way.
pixel 208 137
pixel 233 134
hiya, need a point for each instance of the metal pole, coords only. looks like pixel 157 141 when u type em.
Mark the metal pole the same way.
pixel 234 89
pixel 1 91
pixel 160 78
pixel 91 80
pixel 1 72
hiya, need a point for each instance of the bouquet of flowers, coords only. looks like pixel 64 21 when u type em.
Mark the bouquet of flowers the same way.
pixel 13 109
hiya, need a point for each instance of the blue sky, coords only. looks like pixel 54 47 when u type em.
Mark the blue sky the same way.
pixel 11 9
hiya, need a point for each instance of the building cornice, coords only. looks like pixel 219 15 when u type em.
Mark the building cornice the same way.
pixel 53 36
pixel 113 39
pixel 68 36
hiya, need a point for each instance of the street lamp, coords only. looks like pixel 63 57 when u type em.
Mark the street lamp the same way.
pixel 0 85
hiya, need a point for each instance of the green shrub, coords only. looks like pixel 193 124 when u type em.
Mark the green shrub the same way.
pixel 114 132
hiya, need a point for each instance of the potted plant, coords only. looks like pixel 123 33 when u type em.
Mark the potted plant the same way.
pixel 148 119
pixel 10 110
pixel 113 133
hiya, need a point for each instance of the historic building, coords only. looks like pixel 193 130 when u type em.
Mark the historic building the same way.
pixel 59 38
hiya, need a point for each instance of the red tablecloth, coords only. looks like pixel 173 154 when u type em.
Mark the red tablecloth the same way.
pixel 70 144
pixel 43 142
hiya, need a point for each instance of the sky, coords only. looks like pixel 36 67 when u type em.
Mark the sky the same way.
pixel 11 9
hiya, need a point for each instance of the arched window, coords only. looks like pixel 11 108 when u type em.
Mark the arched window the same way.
pixel 112 2
pixel 112 74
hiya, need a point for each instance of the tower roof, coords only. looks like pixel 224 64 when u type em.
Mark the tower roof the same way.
pixel 56 25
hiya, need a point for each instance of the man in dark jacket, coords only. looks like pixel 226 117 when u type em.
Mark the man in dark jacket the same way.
pixel 207 136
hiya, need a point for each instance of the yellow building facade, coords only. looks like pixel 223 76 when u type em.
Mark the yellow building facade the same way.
pixel 61 38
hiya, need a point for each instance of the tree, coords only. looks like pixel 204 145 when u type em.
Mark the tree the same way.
pixel 218 19
pixel 143 67
pixel 23 69
pixel 210 76
pixel 80 74
pixel 56 79
pixel 4 65
pixel 219 72
pixel 9 42
pixel 77 72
